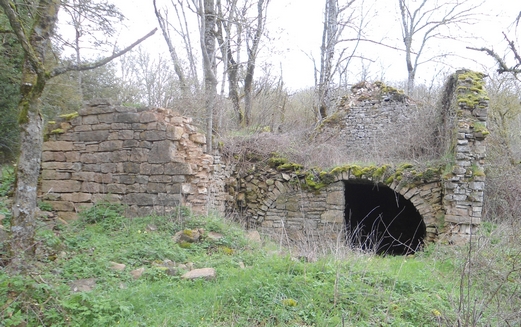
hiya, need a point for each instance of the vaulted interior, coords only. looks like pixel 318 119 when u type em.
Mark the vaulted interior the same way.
pixel 381 220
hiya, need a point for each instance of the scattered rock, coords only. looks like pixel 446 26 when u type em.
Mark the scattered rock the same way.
pixel 136 273
pixel 254 236
pixel 206 273
pixel 83 285
pixel 2 217
pixel 241 264
pixel 214 237
pixel 117 266
pixel 151 228
pixel 188 235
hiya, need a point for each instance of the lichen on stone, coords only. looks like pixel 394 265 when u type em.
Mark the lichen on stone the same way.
pixel 70 116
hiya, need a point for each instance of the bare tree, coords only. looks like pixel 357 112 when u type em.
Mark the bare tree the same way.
pixel 163 21
pixel 503 67
pixel 92 19
pixel 226 35
pixel 333 26
pixel 430 20
pixel 253 37
pixel 35 37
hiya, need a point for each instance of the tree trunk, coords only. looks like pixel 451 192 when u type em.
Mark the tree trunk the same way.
pixel 34 78
pixel 208 21
pixel 250 66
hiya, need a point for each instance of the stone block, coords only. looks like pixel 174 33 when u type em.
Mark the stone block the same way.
pixel 94 136
pixel 68 215
pixel 156 188
pixel 116 188
pixel 53 156
pixel 60 186
pixel 91 187
pixel 61 205
pixel 119 156
pixel 147 117
pixel 152 135
pixel 174 133
pixel 53 174
pixel 111 145
pixel 83 176
pixel 89 120
pixel 139 155
pixel 162 152
pixel 198 138
pixel 141 199
pixel 57 146
pixel 131 167
pixel 177 168
pixel 148 169
pixel 332 216
pixel 77 197
pixel 126 117
pixel 335 198
pixel 72 156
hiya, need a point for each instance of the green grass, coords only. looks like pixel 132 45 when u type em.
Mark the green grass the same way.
pixel 273 289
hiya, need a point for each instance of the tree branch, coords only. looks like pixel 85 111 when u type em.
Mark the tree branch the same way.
pixel 503 68
pixel 60 70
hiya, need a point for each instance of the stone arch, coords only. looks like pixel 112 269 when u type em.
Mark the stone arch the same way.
pixel 420 201
pixel 380 219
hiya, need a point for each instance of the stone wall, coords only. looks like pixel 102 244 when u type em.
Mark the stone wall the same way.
pixel 465 122
pixel 282 202
pixel 151 160
pixel 448 196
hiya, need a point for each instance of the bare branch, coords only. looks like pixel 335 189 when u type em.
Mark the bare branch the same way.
pixel 60 70
pixel 503 68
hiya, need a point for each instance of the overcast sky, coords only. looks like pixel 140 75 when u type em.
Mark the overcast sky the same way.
pixel 295 28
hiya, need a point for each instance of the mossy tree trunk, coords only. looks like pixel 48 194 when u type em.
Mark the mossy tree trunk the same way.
pixel 35 44
pixel 35 39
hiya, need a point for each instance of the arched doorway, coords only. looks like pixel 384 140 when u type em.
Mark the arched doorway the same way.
pixel 381 220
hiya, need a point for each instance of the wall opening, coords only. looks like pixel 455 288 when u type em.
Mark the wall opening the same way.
pixel 379 219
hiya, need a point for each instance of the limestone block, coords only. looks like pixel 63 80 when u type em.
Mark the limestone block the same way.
pixel 61 205
pixel 127 117
pixel 335 198
pixel 118 156
pixel 198 138
pixel 141 199
pixel 60 186
pixel 131 167
pixel 147 117
pixel 83 176
pixel 161 152
pixel 332 216
pixel 116 188
pixel 53 174
pixel 110 145
pixel 72 156
pixel 152 135
pixel 177 168
pixel 204 273
pixel 68 215
pixel 91 187
pixel 57 146
pixel 77 197
pixel 93 136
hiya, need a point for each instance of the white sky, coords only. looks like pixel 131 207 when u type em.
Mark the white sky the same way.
pixel 296 27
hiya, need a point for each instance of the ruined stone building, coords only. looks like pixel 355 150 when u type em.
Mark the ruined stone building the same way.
pixel 154 161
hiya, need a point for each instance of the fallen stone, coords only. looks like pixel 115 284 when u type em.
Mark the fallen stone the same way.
pixel 136 273
pixel 187 235
pixel 151 228
pixel 117 266
pixel 83 285
pixel 206 273
pixel 214 236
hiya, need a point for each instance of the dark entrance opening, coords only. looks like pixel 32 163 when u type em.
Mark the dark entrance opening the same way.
pixel 381 220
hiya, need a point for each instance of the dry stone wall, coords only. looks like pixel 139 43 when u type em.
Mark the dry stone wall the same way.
pixel 281 202
pixel 465 131
pixel 151 160
pixel 449 201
